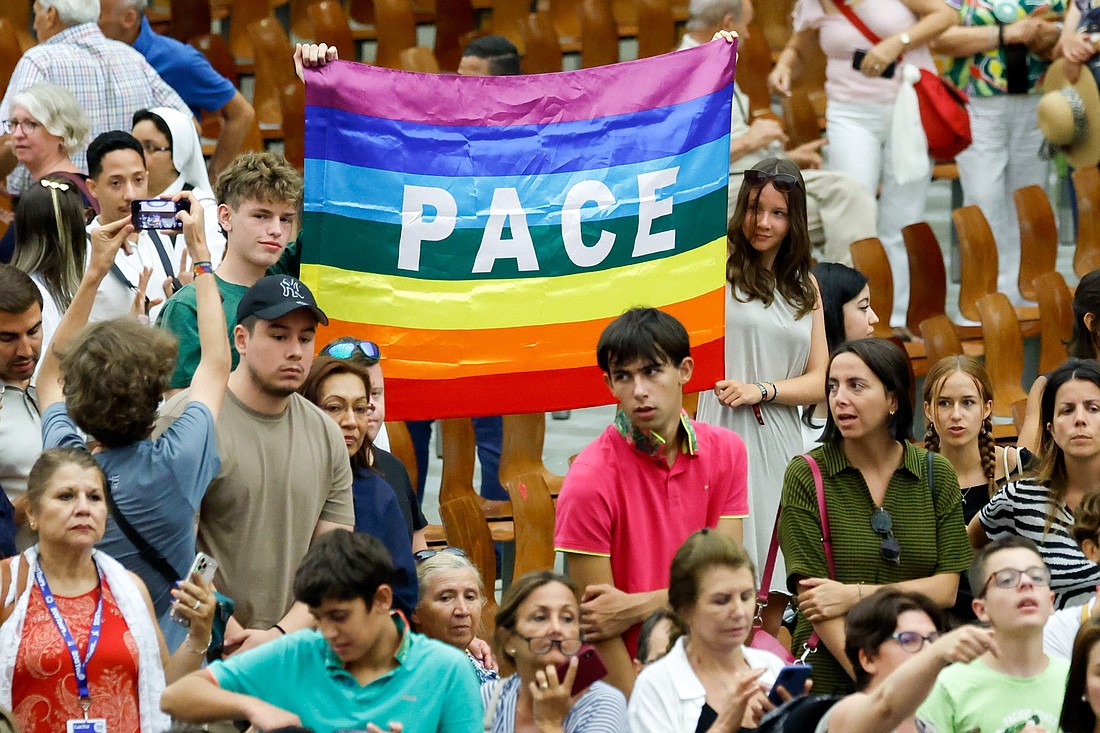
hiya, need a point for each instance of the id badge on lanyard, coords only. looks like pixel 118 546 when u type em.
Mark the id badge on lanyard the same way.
pixel 80 666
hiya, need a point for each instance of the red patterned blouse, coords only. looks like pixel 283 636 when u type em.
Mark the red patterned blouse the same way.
pixel 44 685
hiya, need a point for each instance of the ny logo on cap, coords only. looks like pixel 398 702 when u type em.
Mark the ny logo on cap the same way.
pixel 291 288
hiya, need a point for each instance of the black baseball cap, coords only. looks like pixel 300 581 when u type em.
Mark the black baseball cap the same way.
pixel 274 296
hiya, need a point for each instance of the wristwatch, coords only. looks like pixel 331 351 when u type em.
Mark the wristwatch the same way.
pixel 904 38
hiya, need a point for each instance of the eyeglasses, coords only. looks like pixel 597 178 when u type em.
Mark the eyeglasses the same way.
pixel 1010 578
pixel 348 347
pixel 29 126
pixel 151 148
pixel 912 642
pixel 783 182
pixel 883 525
pixel 423 555
pixel 543 645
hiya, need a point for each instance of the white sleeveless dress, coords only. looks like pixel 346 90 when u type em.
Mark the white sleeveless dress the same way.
pixel 763 344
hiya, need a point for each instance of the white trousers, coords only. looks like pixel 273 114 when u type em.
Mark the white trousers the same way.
pixel 1003 157
pixel 860 145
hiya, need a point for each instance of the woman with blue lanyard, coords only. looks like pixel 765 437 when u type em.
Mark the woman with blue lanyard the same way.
pixel 79 644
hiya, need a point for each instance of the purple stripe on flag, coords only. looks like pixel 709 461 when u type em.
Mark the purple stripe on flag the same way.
pixel 449 100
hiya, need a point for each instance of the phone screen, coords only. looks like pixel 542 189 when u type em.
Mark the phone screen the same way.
pixel 155 214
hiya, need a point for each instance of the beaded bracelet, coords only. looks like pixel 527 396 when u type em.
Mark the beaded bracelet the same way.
pixel 203 268
pixel 188 647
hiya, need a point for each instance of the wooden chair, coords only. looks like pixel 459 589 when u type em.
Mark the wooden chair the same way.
pixel 214 47
pixel 329 23
pixel 454 19
pixel 533 510
pixel 626 17
pixel 190 18
pixel 869 257
pixel 1086 182
pixel 599 35
pixel 978 256
pixel 567 22
pixel 978 267
pixel 940 338
pixel 293 104
pixel 18 13
pixel 656 28
pixel 543 49
pixel 1004 351
pixel 459 448
pixel 754 63
pixel 245 13
pixel 401 446
pixel 465 525
pixel 521 450
pixel 361 11
pixel 274 71
pixel 801 119
pixel 419 58
pixel 1038 237
pixel 509 19
pixel 774 17
pixel 396 18
pixel 925 256
pixel 10 51
pixel 1056 319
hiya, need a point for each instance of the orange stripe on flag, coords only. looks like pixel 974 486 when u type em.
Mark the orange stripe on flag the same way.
pixel 559 389
pixel 427 354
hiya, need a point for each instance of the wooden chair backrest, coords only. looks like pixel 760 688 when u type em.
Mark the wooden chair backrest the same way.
pixel 454 19
pixel 20 15
pixel 216 51
pixel 521 450
pixel 774 18
pixel 533 512
pixel 754 61
pixel 1055 319
pixel 977 257
pixel 419 58
pixel 1038 236
pixel 656 28
pixel 869 257
pixel 396 31
pixel 800 118
pixel 940 338
pixel 566 18
pixel 1004 351
pixel 543 48
pixel 599 35
pixel 465 525
pixel 926 257
pixel 401 446
pixel 509 18
pixel 361 11
pixel 1086 182
pixel 10 51
pixel 294 123
pixel 330 24
pixel 190 18
pixel 244 14
pixel 274 69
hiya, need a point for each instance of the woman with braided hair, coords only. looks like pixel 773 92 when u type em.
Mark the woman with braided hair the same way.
pixel 958 405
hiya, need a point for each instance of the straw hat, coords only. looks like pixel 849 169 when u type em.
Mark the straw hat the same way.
pixel 1069 114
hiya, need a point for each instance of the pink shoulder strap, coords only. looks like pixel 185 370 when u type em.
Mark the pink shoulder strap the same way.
pixel 823 511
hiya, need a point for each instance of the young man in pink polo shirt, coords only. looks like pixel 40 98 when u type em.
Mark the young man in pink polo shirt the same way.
pixel 634 495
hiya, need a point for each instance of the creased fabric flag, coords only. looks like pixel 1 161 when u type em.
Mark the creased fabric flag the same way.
pixel 484 230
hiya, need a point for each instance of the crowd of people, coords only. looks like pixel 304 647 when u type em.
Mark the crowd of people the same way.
pixel 201 524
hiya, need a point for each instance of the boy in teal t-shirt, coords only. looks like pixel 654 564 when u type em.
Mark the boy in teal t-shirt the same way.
pixel 362 665
pixel 1014 687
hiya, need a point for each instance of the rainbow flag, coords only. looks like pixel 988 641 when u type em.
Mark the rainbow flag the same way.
pixel 484 231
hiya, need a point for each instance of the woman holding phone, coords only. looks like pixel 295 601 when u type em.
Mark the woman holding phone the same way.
pixel 710 680
pixel 539 632
pixel 862 84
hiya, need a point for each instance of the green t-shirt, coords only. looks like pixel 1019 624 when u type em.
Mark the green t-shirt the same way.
pixel 931 535
pixel 969 697
pixel 180 316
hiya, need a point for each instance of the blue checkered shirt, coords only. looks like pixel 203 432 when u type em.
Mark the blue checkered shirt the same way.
pixel 109 78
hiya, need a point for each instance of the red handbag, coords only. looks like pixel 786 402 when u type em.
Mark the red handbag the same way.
pixel 942 105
